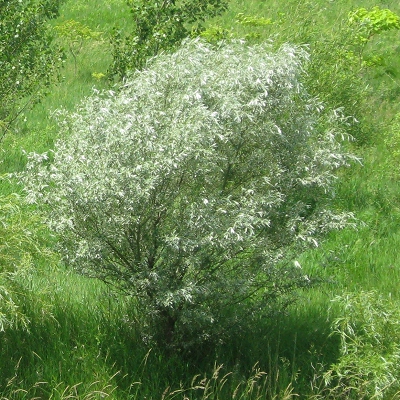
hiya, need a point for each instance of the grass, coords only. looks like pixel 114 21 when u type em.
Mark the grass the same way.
pixel 82 343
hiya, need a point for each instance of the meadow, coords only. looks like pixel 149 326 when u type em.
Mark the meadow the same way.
pixel 79 342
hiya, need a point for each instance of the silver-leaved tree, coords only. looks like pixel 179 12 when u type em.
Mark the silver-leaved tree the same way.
pixel 194 187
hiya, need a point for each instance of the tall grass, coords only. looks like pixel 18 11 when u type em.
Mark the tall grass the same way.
pixel 82 343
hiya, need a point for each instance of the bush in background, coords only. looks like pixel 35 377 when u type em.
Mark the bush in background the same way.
pixel 19 245
pixel 28 59
pixel 158 26
pixel 369 332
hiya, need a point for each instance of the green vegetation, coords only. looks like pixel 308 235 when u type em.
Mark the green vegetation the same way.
pixel 156 27
pixel 75 33
pixel 28 58
pixel 69 336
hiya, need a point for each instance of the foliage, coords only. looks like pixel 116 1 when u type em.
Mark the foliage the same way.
pixel 191 188
pixel 369 333
pixel 18 245
pixel 336 77
pixel 158 26
pixel 28 59
pixel 338 74
pixel 368 23
pixel 214 33
pixel 250 20
pixel 374 21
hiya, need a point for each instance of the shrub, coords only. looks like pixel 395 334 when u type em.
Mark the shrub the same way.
pixel 28 59
pixel 194 186
pixel 18 247
pixel 158 26
pixel 369 362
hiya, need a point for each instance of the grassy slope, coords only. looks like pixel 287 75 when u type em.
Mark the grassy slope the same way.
pixel 83 337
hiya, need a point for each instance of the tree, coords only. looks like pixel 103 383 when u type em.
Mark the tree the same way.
pixel 28 59
pixel 193 187
pixel 158 26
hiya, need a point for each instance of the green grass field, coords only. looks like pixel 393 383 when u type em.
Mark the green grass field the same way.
pixel 80 342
